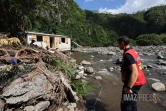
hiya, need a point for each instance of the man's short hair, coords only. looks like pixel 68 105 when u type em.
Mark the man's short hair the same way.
pixel 124 39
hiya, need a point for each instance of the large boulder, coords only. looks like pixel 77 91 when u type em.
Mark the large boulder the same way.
pixel 89 70
pixel 158 86
pixel 27 90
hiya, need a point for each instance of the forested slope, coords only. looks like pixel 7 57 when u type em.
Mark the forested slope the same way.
pixel 85 27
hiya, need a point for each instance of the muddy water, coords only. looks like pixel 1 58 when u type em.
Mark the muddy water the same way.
pixel 107 93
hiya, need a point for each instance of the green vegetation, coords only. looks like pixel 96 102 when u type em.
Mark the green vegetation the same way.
pixel 149 39
pixel 67 69
pixel 84 27
pixel 82 88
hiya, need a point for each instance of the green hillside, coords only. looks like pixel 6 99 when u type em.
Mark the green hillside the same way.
pixel 83 26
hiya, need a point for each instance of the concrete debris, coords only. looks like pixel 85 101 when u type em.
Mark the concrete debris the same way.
pixel 42 106
pixel 29 108
pixel 36 83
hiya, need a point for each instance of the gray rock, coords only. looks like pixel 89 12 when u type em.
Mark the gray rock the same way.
pixel 73 105
pixel 2 104
pixel 164 73
pixel 78 76
pixel 81 67
pixel 111 69
pixel 29 108
pixel 160 56
pixel 158 86
pixel 17 90
pixel 101 60
pixel 26 90
pixel 149 66
pixel 60 109
pixel 92 56
pixel 104 71
pixel 145 67
pixel 146 54
pixel 70 108
pixel 85 74
pixel 89 70
pixel 42 106
pixel 66 103
pixel 98 78
pixel 110 60
pixel 84 62
pixel 81 72
pixel 111 53
pixel 162 63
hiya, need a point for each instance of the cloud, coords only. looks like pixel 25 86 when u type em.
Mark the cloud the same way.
pixel 133 6
pixel 88 1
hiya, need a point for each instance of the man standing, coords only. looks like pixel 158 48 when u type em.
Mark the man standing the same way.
pixel 132 75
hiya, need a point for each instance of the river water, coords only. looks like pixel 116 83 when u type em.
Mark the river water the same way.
pixel 107 93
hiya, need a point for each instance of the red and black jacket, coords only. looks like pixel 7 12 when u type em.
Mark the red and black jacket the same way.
pixel 141 77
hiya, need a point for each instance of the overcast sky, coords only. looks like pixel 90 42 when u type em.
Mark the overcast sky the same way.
pixel 119 6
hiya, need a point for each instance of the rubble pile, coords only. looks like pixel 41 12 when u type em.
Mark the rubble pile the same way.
pixel 29 81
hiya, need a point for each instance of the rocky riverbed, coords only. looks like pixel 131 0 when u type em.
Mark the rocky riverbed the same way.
pixel 143 50
pixel 101 71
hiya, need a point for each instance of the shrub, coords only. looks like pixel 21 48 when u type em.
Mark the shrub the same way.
pixel 149 39
pixel 132 42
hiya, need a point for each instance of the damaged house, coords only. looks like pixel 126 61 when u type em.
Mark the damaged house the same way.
pixel 52 41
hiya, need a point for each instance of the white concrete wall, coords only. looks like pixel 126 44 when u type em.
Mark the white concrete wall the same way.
pixel 29 39
pixel 64 46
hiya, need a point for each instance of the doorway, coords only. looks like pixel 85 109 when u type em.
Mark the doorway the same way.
pixel 52 42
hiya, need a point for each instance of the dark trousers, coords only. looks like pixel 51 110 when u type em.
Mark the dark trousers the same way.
pixel 128 101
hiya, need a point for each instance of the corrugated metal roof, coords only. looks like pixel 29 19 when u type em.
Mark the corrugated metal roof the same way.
pixel 44 34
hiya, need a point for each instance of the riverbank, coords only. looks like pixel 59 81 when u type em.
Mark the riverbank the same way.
pixel 34 79
pixel 103 63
